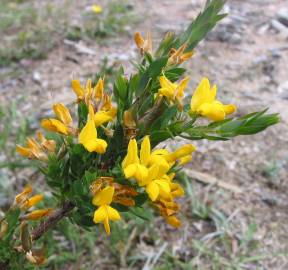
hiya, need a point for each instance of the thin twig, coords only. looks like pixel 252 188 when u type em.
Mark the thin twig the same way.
pixel 52 220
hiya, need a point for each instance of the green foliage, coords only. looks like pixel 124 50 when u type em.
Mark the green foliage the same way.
pixel 224 130
pixel 197 30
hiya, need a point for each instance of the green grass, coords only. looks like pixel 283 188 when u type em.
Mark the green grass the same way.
pixel 29 30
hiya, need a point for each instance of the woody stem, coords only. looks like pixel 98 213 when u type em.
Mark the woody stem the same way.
pixel 52 220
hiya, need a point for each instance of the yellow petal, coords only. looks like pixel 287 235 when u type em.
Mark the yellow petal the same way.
pixel 165 83
pixel 23 195
pixel 163 166
pixel 32 201
pixel 54 125
pixel 179 92
pixel 100 214
pixel 77 88
pixel 152 190
pixel 213 111
pixel 130 170
pixel 145 151
pixel 163 184
pixel 102 117
pixel 37 214
pixel 173 221
pixel 139 41
pixel 132 154
pixel 62 113
pixel 182 151
pixel 113 214
pixel 23 151
pixel 141 173
pixel 152 174
pixel 88 138
pixel 230 108
pixel 184 160
pixel 106 225
pixel 103 197
pixel 176 190
pixel 99 89
pixel 203 94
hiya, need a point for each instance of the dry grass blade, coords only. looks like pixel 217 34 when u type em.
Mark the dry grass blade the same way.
pixel 211 180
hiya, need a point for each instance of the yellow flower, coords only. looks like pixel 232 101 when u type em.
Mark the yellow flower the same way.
pixel 88 135
pixel 32 201
pixel 22 197
pixel 63 123
pixel 133 166
pixel 173 221
pixel 35 150
pixel 106 113
pixel 177 57
pixel 184 160
pixel 173 91
pixel 105 212
pixel 96 9
pixel 144 45
pixel 88 93
pixel 37 214
pixel 204 102
pixel 183 151
pixel 156 184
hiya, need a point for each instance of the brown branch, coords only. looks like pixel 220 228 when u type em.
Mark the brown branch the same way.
pixel 52 220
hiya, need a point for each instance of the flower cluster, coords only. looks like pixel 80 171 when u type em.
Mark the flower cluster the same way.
pixel 25 203
pixel 111 159
pixel 113 156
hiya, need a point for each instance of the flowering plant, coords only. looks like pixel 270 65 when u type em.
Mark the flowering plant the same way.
pixel 111 158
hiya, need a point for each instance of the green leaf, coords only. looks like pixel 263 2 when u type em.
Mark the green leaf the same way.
pixel 120 87
pixel 198 29
pixel 151 73
pixel 141 213
pixel 249 124
pixel 162 121
pixel 82 114
pixel 12 217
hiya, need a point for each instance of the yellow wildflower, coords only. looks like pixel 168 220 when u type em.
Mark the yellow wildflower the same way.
pixel 106 113
pixel 177 57
pixel 105 212
pixel 22 197
pixel 204 102
pixel 88 135
pixel 173 91
pixel 96 9
pixel 131 163
pixel 35 150
pixel 32 201
pixel 156 184
pixel 133 166
pixel 182 151
pixel 144 45
pixel 173 221
pixel 63 123
pixel 88 93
